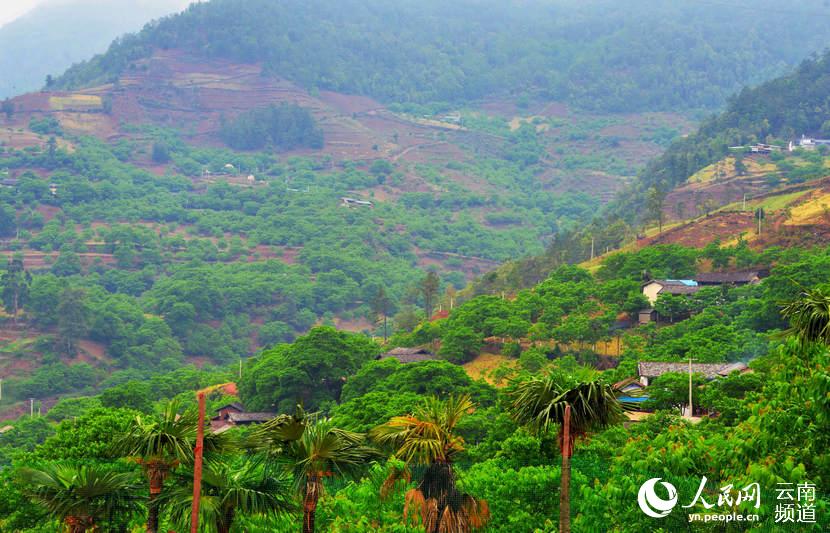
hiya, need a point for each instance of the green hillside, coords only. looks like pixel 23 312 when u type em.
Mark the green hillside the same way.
pixel 697 173
pixel 599 55
pixel 775 112
pixel 364 266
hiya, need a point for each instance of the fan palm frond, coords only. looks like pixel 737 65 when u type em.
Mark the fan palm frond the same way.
pixel 540 403
pixel 273 436
pixel 427 435
pixel 809 316
pixel 91 493
pixel 230 489
pixel 168 436
pixel 326 450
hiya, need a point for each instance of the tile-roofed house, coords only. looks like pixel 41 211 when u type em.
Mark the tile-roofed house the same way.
pixel 748 277
pixel 250 418
pixel 654 288
pixel 644 316
pixel 734 367
pixel 628 384
pixel 649 370
pixel 349 202
pixel 440 314
pixel 233 414
pixel 630 391
pixel 409 355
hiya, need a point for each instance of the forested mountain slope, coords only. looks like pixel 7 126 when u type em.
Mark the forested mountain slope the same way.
pixel 704 190
pixel 204 195
pixel 775 112
pixel 197 210
pixel 601 55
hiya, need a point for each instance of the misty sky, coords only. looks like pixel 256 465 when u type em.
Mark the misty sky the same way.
pixel 11 9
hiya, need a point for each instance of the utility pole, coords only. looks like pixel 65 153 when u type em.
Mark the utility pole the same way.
pixel 744 208
pixel 197 466
pixel 759 221
pixel 31 407
pixel 564 504
pixel 691 407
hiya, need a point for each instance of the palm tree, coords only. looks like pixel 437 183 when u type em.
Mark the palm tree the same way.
pixel 159 444
pixel 273 436
pixel 314 451
pixel 809 316
pixel 229 489
pixel 579 409
pixel 427 438
pixel 82 497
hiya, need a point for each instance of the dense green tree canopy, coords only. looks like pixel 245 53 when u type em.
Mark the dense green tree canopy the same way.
pixel 310 372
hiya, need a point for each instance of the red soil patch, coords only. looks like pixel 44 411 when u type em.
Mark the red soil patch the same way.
pixel 700 232
pixel 591 182
pixel 801 236
pixel 621 130
pixel 199 361
pixel 349 104
pixel 357 325
pixel 690 200
pixel 289 254
pixel 12 138
pixel 48 211
pixel 263 252
pixel 555 109
pixel 42 260
pixel 471 267
pixel 500 108
pixel 17 366
pixel 91 352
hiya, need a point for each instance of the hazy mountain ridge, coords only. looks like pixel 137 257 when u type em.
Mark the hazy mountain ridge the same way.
pixel 55 35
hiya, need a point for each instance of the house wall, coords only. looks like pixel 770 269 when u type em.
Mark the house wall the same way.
pixel 224 413
pixel 646 317
pixel 651 290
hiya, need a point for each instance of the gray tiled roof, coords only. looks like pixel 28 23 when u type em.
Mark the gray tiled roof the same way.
pixel 727 277
pixel 652 369
pixel 409 355
pixel 250 417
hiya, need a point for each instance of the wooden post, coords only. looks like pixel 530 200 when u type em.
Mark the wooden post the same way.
pixel 197 466
pixel 691 408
